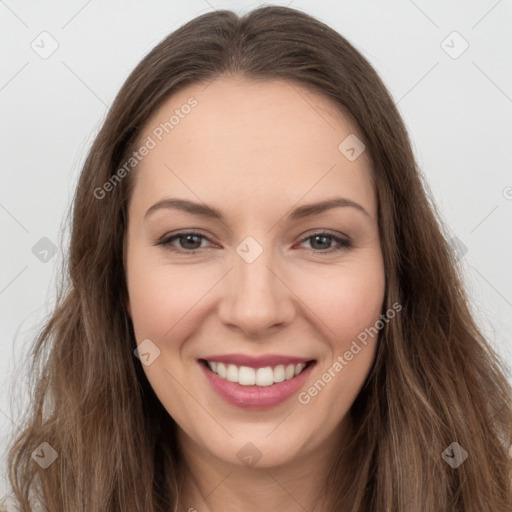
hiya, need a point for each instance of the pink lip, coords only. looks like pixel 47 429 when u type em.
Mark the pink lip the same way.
pixel 256 361
pixel 256 397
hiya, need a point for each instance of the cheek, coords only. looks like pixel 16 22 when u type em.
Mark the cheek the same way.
pixel 348 300
pixel 344 299
pixel 163 296
pixel 350 304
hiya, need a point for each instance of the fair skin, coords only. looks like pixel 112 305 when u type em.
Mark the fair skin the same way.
pixel 254 152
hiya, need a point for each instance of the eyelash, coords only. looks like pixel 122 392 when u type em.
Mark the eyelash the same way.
pixel 166 242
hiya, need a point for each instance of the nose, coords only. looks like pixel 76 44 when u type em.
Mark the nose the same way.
pixel 256 298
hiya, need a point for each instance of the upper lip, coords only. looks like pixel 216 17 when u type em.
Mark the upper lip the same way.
pixel 257 361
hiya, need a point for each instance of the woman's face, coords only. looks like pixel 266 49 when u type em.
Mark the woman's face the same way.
pixel 259 280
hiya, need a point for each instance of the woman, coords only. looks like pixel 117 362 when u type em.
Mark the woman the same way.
pixel 262 311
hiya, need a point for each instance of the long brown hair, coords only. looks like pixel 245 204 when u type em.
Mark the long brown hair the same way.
pixel 435 379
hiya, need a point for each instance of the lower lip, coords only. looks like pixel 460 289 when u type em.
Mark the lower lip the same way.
pixel 256 397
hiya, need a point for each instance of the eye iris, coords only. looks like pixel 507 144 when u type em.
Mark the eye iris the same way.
pixel 326 241
pixel 190 238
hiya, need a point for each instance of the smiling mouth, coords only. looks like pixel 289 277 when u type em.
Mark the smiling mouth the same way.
pixel 264 376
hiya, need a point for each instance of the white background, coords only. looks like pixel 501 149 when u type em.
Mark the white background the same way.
pixel 458 112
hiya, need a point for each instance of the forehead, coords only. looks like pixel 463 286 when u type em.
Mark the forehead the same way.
pixel 250 142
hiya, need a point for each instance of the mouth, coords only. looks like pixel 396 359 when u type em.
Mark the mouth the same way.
pixel 263 376
pixel 256 386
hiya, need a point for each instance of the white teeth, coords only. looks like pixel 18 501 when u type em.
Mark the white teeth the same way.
pixel 232 373
pixel 298 368
pixel 265 376
pixel 221 370
pixel 279 373
pixel 247 376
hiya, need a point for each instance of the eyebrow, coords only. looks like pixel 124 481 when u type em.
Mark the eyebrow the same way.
pixel 202 210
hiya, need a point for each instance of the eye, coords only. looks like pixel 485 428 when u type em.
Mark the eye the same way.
pixel 321 242
pixel 190 242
